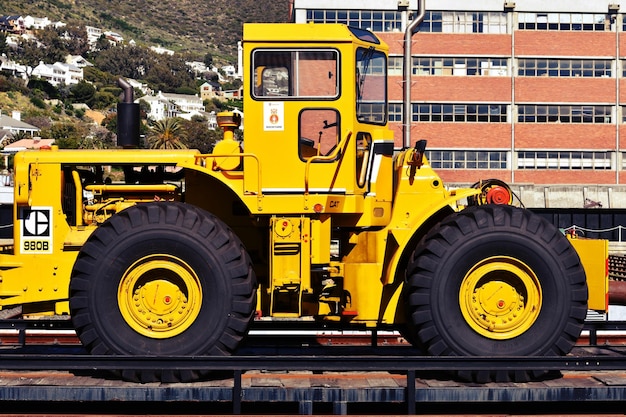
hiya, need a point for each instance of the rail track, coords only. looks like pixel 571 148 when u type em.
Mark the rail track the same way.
pixel 305 370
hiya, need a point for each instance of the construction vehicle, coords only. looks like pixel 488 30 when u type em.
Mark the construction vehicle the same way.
pixel 314 217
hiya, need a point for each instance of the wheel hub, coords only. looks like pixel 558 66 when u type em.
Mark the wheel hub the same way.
pixel 160 296
pixel 500 298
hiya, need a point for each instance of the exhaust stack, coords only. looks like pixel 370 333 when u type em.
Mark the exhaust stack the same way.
pixel 127 117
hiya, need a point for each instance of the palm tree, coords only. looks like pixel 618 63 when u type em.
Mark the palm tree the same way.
pixel 167 134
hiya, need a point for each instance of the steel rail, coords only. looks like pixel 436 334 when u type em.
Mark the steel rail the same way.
pixel 613 360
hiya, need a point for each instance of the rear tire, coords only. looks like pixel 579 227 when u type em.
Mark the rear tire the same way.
pixel 162 279
pixel 496 281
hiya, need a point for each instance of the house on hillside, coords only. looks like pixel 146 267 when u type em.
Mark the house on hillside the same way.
pixel 186 103
pixel 93 34
pixel 58 73
pixel 161 51
pixel 23 144
pixel 12 24
pixel 234 94
pixel 77 61
pixel 165 105
pixel 197 67
pixel 210 90
pixel 36 23
pixel 113 37
pixel 15 125
pixel 160 108
pixel 13 68
pixel 230 71
pixel 138 85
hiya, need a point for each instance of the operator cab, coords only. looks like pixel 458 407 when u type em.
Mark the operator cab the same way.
pixel 317 104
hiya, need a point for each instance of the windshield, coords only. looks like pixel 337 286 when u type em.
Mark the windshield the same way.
pixel 371 86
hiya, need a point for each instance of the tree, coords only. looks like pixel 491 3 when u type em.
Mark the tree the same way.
pixel 199 136
pixel 208 60
pixel 83 92
pixel 68 135
pixel 4 48
pixel 42 89
pixel 167 134
pixel 163 72
pixel 76 40
pixel 103 100
pixel 102 44
pixel 98 138
pixel 29 53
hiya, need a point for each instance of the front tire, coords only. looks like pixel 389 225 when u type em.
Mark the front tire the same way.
pixel 496 281
pixel 162 279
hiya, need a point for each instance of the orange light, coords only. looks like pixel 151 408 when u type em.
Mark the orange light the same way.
pixel 318 208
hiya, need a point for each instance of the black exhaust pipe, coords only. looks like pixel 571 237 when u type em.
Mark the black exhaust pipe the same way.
pixel 127 118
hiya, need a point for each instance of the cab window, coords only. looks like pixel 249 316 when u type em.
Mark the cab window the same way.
pixel 285 74
pixel 319 132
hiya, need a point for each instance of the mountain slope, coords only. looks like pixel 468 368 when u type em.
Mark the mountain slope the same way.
pixel 198 26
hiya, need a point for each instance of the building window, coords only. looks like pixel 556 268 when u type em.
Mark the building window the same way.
pixel 459 159
pixel 395 112
pixel 464 22
pixel 460 66
pixel 530 67
pixel 485 113
pixel 563 114
pixel 563 160
pixel 374 20
pixel 395 65
pixel 564 21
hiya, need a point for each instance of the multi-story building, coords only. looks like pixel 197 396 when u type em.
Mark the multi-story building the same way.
pixel 528 91
pixel 58 73
pixel 165 105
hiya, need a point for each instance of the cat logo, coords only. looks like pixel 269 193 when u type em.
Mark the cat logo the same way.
pixel 36 230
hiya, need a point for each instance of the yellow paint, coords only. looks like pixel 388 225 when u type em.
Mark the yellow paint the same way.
pixel 594 255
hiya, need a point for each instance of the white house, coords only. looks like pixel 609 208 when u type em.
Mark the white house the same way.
pixel 197 66
pixel 165 105
pixel 230 71
pixel 58 73
pixel 160 108
pixel 93 34
pixel 138 85
pixel 12 67
pixel 77 61
pixel 36 23
pixel 161 51
pixel 186 103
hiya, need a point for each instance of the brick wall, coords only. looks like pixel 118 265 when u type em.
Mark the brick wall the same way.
pixel 585 90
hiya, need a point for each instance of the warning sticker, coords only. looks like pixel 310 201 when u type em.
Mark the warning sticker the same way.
pixel 35 225
pixel 274 116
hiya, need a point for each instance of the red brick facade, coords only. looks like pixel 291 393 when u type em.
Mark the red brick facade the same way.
pixel 514 91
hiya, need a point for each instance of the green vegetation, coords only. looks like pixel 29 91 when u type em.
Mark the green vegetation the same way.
pixel 186 25
pixel 208 34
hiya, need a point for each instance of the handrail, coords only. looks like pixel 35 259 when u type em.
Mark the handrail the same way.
pixel 204 157
pixel 333 155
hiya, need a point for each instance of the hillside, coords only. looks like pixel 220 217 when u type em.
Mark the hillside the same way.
pixel 198 26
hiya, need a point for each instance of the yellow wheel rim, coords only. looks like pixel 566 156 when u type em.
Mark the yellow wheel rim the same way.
pixel 159 296
pixel 500 298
